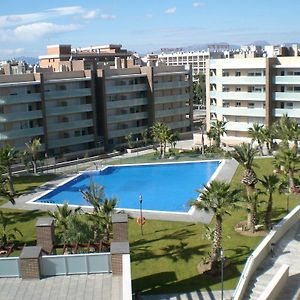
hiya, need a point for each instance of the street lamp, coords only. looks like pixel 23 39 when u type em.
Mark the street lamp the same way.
pixel 141 213
pixel 222 265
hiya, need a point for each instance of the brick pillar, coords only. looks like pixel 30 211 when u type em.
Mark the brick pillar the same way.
pixel 120 227
pixel 45 233
pixel 117 249
pixel 30 262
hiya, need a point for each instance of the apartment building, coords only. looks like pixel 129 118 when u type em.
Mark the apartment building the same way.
pixel 65 58
pixel 243 91
pixel 132 99
pixel 196 59
pixel 58 108
pixel 83 110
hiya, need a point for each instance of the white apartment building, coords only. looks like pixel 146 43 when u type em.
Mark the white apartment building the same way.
pixel 243 91
pixel 197 60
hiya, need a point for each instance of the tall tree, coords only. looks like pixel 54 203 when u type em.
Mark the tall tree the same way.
pixel 268 137
pixel 244 154
pixel 4 193
pixel 220 199
pixel 270 184
pixel 31 153
pixel 199 89
pixel 8 157
pixel 289 161
pixel 256 134
pixel 218 129
pixel 161 134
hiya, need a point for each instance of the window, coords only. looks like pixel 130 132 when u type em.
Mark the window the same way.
pixel 251 105
pixel 225 104
pixel 225 73
pixel 237 104
pixel 237 73
pixel 238 89
pixel 225 89
pixel 282 73
pixel 289 105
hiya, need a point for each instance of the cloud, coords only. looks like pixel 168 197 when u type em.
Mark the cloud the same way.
pixel 198 4
pixel 107 17
pixel 67 10
pixel 149 16
pixel 34 31
pixel 170 10
pixel 92 14
pixel 11 52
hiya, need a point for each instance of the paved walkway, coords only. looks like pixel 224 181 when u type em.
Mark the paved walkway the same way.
pixel 287 251
pixel 75 287
pixel 209 295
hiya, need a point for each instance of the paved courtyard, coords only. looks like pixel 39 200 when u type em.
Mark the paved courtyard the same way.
pixel 89 287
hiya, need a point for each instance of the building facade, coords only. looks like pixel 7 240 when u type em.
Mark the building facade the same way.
pixel 244 91
pixel 84 110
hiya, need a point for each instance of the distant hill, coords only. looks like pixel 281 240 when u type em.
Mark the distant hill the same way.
pixel 29 59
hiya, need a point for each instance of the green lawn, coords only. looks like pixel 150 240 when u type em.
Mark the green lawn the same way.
pixel 165 258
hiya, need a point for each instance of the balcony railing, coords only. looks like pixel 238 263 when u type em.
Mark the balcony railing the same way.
pixel 21 133
pixel 238 80
pixel 22 98
pixel 116 89
pixel 127 103
pixel 171 85
pixel 253 96
pixel 71 93
pixel 286 80
pixel 287 96
pixel 69 125
pixel 238 111
pixel 76 140
pixel 171 99
pixel 172 112
pixel 127 117
pixel 124 132
pixel 63 110
pixel 20 116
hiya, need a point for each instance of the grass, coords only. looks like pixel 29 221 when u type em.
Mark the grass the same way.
pixel 165 258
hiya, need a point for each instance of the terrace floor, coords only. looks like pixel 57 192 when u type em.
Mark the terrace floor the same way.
pixel 92 286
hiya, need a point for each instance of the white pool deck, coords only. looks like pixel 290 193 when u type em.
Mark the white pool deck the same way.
pixel 224 172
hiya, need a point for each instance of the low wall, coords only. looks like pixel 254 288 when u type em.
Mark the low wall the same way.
pixel 263 249
pixel 276 284
pixel 9 267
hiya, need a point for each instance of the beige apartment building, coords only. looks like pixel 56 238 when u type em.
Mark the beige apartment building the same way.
pixel 84 110
pixel 243 91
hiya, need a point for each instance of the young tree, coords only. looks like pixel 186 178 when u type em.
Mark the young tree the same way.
pixel 199 89
pixel 268 137
pixel 256 133
pixel 31 153
pixel 217 197
pixel 244 155
pixel 161 134
pixel 218 129
pixel 145 136
pixel 270 184
pixel 129 140
pixel 6 233
pixel 3 190
pixel 8 156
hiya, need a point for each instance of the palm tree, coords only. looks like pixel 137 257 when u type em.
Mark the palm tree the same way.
pixel 268 137
pixel 270 184
pixel 7 233
pixel 31 153
pixel 161 134
pixel 294 133
pixel 288 159
pixel 144 135
pixel 94 195
pixel 256 133
pixel 173 139
pixel 244 155
pixel 3 192
pixel 218 129
pixel 281 129
pixel 61 216
pixel 8 156
pixel 217 197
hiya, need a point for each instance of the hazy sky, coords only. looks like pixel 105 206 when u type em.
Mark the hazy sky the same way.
pixel 27 27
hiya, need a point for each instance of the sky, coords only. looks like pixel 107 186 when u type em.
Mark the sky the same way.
pixel 27 27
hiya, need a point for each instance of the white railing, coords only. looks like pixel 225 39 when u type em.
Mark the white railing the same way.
pixel 9 267
pixel 263 249
pixel 52 265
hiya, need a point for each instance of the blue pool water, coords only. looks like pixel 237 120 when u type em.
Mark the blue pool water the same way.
pixel 164 187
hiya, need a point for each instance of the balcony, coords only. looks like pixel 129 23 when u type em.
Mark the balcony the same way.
pixel 21 116
pixel 254 96
pixel 238 80
pixel 238 111
pixel 117 89
pixel 127 103
pixel 171 99
pixel 127 117
pixel 286 96
pixel 238 126
pixel 63 110
pixel 69 125
pixel 124 132
pixel 76 140
pixel 286 80
pixel 179 124
pixel 19 99
pixel 72 93
pixel 171 85
pixel 172 112
pixel 292 113
pixel 22 133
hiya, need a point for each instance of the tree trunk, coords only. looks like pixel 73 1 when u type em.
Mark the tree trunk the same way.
pixel 202 141
pixel 10 182
pixel 269 212
pixel 253 217
pixel 34 165
pixel 217 241
pixel 291 180
pixel 260 148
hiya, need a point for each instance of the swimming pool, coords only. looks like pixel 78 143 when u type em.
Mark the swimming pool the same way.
pixel 163 186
